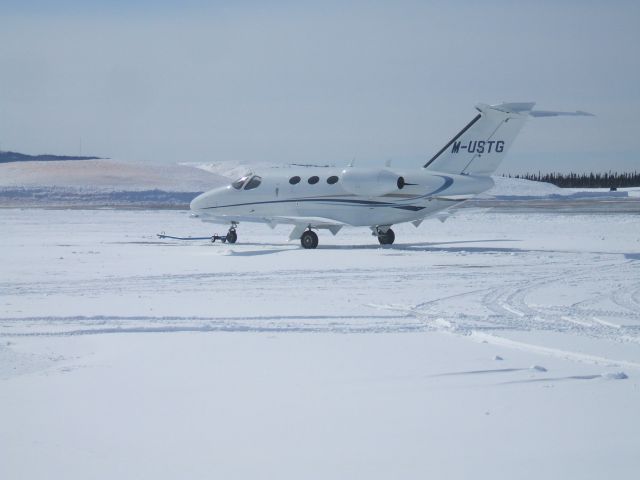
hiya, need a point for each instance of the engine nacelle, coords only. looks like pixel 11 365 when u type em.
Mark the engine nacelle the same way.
pixel 371 182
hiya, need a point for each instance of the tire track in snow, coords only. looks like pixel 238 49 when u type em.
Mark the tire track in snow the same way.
pixel 625 299
pixel 510 311
pixel 574 318
pixel 100 325
pixel 553 352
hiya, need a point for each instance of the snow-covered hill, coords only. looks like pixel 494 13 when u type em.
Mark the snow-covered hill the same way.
pixel 102 183
pixel 107 175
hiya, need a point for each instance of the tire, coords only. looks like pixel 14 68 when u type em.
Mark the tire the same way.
pixel 387 238
pixel 309 239
pixel 232 236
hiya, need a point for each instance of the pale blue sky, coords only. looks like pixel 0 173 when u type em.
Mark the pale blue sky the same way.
pixel 318 82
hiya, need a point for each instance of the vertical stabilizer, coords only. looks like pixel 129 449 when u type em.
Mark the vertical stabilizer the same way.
pixel 479 147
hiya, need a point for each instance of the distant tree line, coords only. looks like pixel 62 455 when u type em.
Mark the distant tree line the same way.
pixel 584 180
pixel 6 157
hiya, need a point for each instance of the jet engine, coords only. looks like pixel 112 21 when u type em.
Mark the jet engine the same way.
pixel 371 182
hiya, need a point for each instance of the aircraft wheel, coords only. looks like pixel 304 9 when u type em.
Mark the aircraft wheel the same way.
pixel 232 236
pixel 387 238
pixel 309 239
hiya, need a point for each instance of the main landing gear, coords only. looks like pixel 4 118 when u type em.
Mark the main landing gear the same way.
pixel 309 239
pixel 385 237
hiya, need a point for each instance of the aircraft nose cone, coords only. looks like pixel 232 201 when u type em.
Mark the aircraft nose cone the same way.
pixel 199 202
pixel 207 200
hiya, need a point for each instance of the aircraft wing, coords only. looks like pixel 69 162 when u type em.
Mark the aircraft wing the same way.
pixel 317 222
pixel 302 223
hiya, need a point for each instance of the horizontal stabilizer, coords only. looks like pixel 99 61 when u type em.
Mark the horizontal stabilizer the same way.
pixel 551 113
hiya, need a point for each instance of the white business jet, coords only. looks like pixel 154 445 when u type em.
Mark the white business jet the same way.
pixel 331 198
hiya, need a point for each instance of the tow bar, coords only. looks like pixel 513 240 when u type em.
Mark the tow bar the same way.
pixel 213 238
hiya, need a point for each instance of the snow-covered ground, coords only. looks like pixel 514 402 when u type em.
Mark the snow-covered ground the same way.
pixel 495 345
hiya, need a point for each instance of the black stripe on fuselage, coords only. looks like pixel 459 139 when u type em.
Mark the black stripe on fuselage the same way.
pixel 363 203
pixel 413 208
pixel 453 140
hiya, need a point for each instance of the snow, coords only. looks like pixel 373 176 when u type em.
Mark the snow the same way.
pixel 126 356
pixel 538 368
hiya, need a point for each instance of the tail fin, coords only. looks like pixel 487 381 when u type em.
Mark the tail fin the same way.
pixel 480 146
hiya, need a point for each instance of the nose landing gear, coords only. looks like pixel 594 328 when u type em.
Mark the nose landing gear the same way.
pixel 232 236
pixel 309 239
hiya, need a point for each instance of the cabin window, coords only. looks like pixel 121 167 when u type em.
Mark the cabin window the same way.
pixel 332 179
pixel 253 183
pixel 294 180
pixel 313 180
pixel 238 183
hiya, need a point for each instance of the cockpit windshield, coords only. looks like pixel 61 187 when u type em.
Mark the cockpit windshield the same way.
pixel 253 183
pixel 238 183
